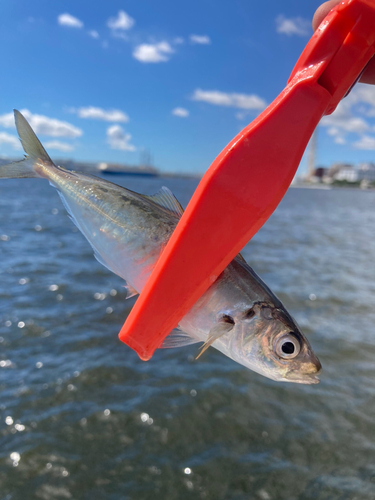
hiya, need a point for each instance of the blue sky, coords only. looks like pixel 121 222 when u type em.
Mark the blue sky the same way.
pixel 104 81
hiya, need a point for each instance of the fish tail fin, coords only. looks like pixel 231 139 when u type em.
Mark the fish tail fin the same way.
pixel 33 148
pixel 18 169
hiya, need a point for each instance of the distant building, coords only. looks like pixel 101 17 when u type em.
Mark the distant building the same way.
pixel 335 168
pixel 343 172
pixel 366 171
pixel 319 173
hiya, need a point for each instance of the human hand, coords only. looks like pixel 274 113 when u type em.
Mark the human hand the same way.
pixel 321 12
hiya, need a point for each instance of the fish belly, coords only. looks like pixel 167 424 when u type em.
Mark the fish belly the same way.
pixel 126 234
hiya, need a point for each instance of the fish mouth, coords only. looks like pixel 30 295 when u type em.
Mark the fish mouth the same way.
pixel 307 374
pixel 299 378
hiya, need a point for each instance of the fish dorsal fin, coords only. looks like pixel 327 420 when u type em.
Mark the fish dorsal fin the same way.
pixel 166 199
pixel 31 144
pixel 216 332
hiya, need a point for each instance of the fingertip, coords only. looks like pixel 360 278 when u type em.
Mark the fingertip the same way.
pixel 322 11
pixel 368 75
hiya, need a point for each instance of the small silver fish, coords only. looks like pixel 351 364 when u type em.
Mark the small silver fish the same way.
pixel 238 314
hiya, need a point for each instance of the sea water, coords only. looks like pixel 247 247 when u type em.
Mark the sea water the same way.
pixel 82 418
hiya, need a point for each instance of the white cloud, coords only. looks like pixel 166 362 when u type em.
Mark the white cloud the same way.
pixel 241 115
pixel 93 34
pixel 178 40
pixel 59 146
pixel 351 124
pixel 365 142
pixel 343 118
pixel 118 139
pixel 242 101
pixel 11 140
pixel 43 125
pixel 120 34
pixel 69 20
pixel 363 93
pixel 349 118
pixel 200 39
pixel 293 26
pixel 7 120
pixel 339 139
pixel 153 53
pixel 122 22
pixel 181 112
pixel 338 136
pixel 108 115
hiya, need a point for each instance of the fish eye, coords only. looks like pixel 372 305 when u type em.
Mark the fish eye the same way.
pixel 287 346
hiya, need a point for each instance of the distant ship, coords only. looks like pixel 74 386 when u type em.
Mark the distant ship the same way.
pixel 115 169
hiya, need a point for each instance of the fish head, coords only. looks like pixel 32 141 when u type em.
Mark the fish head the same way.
pixel 241 317
pixel 266 339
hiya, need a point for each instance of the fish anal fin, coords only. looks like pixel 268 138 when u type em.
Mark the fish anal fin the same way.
pixel 166 199
pixel 130 291
pixel 215 333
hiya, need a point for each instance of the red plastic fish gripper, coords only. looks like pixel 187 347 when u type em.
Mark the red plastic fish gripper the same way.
pixel 248 179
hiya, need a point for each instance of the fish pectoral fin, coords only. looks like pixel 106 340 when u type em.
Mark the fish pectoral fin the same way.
pixel 166 199
pixel 216 332
pixel 178 338
pixel 130 291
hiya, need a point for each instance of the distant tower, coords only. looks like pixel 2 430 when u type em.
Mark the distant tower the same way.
pixel 145 158
pixel 312 155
